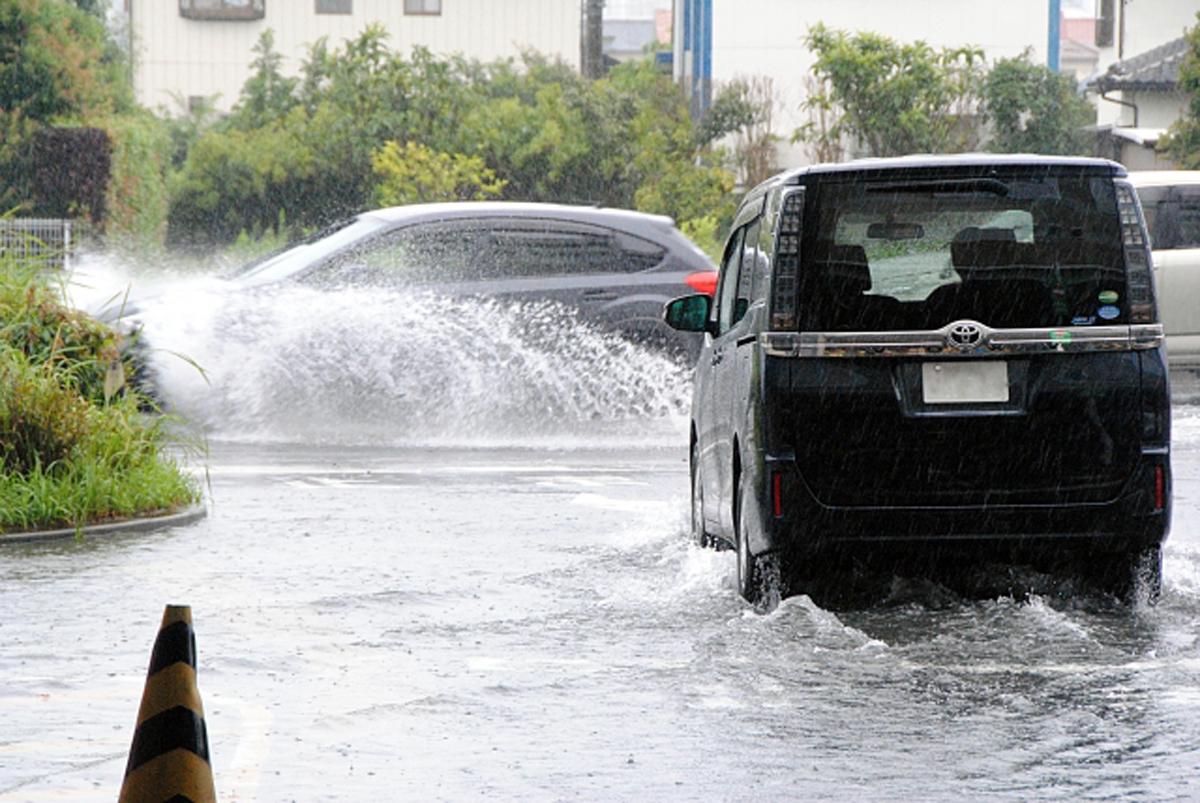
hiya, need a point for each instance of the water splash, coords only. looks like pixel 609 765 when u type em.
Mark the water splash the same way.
pixel 373 366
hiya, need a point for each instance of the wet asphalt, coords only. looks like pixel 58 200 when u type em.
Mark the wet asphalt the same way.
pixel 505 623
pixel 446 559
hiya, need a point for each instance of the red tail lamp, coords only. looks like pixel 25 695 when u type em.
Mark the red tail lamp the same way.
pixel 1160 488
pixel 703 282
pixel 777 494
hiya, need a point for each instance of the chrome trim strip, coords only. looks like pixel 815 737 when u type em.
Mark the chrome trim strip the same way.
pixel 936 342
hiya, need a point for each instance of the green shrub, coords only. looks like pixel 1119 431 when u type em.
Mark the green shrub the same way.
pixel 41 422
pixel 84 353
pixel 413 173
pixel 70 463
pixel 73 451
pixel 137 190
pixel 534 130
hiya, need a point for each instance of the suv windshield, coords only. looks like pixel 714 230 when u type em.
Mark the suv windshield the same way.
pixel 1035 250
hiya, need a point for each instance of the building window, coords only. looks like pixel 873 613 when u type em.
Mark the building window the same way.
pixel 335 6
pixel 222 9
pixel 422 6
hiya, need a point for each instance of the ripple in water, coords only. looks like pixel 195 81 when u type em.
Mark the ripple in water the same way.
pixel 375 366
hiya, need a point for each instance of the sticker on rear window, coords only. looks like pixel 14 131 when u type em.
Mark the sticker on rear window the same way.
pixel 1109 312
pixel 1083 320
pixel 1108 296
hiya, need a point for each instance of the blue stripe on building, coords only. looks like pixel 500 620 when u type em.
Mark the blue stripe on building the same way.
pixel 697 53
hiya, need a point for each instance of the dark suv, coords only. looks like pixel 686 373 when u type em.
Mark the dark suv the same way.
pixel 933 354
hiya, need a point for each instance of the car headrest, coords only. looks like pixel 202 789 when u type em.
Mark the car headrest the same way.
pixel 968 256
pixel 843 267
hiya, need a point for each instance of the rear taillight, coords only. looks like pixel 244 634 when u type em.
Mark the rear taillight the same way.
pixel 1138 267
pixel 703 282
pixel 777 494
pixel 1160 488
pixel 786 269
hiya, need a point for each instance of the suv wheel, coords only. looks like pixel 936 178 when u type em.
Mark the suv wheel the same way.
pixel 760 578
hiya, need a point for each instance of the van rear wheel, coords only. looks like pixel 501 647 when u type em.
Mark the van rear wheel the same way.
pixel 759 577
pixel 1134 575
pixel 1145 574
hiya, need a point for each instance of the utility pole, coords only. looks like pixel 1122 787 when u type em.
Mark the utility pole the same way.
pixel 592 63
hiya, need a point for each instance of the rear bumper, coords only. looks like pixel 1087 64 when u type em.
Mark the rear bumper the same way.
pixel 1133 519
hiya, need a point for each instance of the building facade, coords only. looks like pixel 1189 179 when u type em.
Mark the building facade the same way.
pixel 717 41
pixel 184 50
pixel 720 40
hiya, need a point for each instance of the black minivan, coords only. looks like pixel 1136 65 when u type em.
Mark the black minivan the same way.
pixel 933 353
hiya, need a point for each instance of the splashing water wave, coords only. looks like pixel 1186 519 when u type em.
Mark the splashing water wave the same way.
pixel 372 366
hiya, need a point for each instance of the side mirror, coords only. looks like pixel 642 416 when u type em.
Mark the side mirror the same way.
pixel 688 314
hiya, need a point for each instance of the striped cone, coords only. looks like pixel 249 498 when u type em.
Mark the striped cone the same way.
pixel 168 759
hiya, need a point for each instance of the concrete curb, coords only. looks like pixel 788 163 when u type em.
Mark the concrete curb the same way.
pixel 135 525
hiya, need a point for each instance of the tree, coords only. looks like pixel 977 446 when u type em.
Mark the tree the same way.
pixel 897 98
pixel 1184 141
pixel 821 132
pixel 72 140
pixel 744 111
pixel 56 62
pixel 1035 110
pixel 267 95
pixel 96 8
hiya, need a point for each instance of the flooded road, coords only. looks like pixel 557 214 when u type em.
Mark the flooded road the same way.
pixel 499 623
pixel 490 608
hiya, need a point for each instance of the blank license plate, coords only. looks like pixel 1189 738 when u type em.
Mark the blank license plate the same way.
pixel 964 382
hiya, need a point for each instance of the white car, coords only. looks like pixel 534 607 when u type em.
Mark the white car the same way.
pixel 1171 202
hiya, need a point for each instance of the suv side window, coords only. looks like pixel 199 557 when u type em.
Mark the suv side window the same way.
pixel 729 282
pixel 417 253
pixel 745 289
pixel 476 250
pixel 554 247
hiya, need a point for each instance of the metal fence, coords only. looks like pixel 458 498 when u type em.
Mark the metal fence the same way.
pixel 45 240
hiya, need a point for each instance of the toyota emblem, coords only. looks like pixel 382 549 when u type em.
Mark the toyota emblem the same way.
pixel 965 335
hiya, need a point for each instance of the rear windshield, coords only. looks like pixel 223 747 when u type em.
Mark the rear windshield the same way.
pixel 1021 251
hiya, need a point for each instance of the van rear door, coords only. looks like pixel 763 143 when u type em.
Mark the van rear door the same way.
pixel 971 336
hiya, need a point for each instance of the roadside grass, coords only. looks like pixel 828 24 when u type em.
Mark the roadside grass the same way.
pixel 76 445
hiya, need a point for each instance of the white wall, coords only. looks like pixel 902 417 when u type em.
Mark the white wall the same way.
pixel 766 37
pixel 1148 24
pixel 1139 157
pixel 203 58
pixel 1156 109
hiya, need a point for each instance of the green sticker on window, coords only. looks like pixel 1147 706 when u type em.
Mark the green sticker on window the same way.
pixel 1061 336
pixel 1109 296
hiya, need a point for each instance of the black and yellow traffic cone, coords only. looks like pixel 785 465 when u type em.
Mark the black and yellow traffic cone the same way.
pixel 168 759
